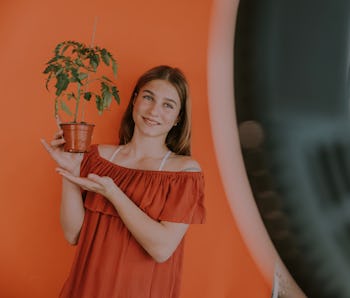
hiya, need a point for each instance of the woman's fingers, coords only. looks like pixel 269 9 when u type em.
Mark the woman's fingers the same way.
pixel 65 160
pixel 51 150
pixel 84 183
pixel 57 142
pixel 104 180
pixel 58 134
pixel 53 144
pixel 58 139
pixel 102 185
pixel 46 145
pixel 95 178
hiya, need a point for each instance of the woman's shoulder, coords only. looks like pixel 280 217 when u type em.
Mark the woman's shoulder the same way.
pixel 177 163
pixel 106 150
pixel 185 163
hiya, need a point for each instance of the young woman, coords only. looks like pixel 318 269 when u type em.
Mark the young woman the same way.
pixel 128 207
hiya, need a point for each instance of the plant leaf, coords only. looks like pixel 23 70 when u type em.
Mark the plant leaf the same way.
pixel 107 99
pixel 82 75
pixel 58 47
pixel 105 56
pixel 114 68
pixel 115 94
pixel 106 95
pixel 62 83
pixel 65 48
pixel 65 108
pixel 78 62
pixel 99 104
pixel 104 87
pixel 48 69
pixel 94 61
pixel 87 96
pixel 54 59
pixel 58 70
pixel 75 76
pixel 107 79
pixel 47 81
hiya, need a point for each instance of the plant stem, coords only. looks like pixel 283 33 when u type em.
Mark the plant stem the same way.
pixel 77 104
pixel 87 84
pixel 94 32
pixel 83 110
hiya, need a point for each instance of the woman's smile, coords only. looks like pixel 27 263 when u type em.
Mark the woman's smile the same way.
pixel 150 121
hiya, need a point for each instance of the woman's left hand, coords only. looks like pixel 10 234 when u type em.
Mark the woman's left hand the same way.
pixel 101 185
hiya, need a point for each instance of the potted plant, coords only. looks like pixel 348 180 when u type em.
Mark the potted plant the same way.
pixel 73 69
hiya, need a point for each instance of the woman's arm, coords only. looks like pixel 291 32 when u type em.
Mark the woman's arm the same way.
pixel 72 209
pixel 159 239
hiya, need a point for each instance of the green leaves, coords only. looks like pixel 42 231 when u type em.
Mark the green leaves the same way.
pixel 114 67
pixel 94 61
pixel 105 56
pixel 62 83
pixel 78 62
pixel 73 68
pixel 50 68
pixel 99 104
pixel 106 95
pixel 65 108
pixel 87 96
pixel 115 94
pixel 104 99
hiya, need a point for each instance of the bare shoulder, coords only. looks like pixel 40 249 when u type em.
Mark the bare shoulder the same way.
pixel 106 150
pixel 186 164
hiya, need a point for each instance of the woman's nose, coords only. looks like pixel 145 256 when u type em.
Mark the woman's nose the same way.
pixel 154 109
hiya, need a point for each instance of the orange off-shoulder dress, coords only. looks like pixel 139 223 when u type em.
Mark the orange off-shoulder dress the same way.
pixel 109 262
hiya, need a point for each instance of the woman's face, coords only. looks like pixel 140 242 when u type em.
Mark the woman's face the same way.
pixel 156 108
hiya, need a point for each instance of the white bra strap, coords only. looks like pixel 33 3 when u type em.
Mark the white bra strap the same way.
pixel 115 153
pixel 164 160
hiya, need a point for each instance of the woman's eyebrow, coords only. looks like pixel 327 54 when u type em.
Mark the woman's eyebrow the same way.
pixel 167 99
pixel 149 91
pixel 171 100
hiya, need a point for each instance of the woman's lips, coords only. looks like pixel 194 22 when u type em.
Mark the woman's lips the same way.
pixel 150 122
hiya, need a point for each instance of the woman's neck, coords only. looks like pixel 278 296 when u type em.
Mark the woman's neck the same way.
pixel 147 147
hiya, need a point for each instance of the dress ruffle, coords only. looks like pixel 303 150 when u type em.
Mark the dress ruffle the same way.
pixel 163 195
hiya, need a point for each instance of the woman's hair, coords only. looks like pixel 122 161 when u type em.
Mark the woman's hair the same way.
pixel 178 139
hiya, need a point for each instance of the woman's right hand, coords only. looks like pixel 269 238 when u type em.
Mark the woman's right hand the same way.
pixel 65 160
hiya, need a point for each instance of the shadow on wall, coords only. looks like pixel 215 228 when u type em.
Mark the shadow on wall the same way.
pixel 292 99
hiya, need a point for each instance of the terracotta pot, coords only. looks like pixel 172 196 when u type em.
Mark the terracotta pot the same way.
pixel 77 136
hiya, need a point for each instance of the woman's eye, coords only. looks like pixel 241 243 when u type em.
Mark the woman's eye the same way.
pixel 147 97
pixel 168 106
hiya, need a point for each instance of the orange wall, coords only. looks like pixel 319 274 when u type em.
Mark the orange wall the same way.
pixel 34 258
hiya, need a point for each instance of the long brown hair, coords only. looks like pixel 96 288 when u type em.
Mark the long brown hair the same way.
pixel 178 139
